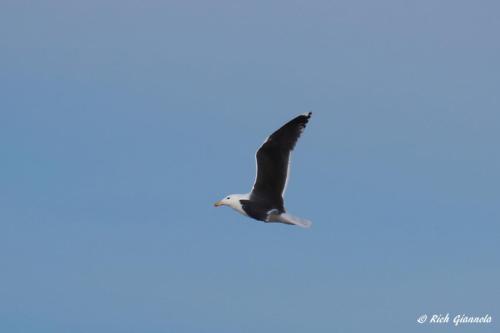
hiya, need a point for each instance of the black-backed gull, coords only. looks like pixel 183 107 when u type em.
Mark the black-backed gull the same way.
pixel 265 202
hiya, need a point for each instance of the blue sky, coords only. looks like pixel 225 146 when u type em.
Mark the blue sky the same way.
pixel 121 122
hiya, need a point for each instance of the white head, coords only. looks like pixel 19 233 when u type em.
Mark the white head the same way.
pixel 233 201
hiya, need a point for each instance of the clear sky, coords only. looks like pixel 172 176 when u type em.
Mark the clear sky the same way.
pixel 122 122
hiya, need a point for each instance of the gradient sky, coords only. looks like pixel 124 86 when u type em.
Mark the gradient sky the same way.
pixel 121 122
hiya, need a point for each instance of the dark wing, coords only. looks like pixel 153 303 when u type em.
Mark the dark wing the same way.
pixel 272 160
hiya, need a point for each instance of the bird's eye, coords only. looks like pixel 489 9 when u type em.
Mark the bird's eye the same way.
pixel 227 198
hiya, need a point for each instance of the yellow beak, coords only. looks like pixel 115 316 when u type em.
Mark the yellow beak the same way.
pixel 218 203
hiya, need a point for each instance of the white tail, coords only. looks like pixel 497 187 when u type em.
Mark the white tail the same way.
pixel 287 218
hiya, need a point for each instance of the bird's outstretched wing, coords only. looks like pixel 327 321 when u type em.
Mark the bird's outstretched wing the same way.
pixel 273 160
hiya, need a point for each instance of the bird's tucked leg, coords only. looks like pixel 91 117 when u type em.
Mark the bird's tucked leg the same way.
pixel 273 215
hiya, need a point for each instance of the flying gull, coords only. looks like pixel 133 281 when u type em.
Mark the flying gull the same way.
pixel 265 202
